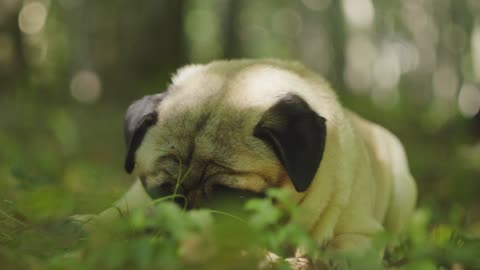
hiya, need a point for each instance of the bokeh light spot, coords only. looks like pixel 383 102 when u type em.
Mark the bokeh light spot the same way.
pixel 360 55
pixel 469 100
pixel 476 51
pixel 408 55
pixel 85 86
pixel 32 17
pixel 386 69
pixel 359 13
pixel 445 82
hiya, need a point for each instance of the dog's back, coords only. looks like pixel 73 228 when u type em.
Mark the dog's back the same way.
pixel 395 205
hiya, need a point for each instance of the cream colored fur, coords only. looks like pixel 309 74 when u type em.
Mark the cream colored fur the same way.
pixel 363 185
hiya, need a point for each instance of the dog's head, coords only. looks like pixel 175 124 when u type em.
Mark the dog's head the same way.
pixel 238 125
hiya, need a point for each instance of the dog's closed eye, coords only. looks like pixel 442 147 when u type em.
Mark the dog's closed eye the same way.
pixel 229 192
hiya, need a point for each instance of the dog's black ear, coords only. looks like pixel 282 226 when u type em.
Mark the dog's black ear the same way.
pixel 297 135
pixel 140 116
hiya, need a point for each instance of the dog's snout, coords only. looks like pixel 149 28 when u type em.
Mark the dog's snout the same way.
pixel 158 191
pixel 162 190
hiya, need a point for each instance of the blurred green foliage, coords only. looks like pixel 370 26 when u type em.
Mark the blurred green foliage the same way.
pixel 69 69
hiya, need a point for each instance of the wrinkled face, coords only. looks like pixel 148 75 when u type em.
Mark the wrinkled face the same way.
pixel 198 150
pixel 217 132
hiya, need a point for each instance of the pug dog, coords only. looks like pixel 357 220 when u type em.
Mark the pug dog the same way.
pixel 251 125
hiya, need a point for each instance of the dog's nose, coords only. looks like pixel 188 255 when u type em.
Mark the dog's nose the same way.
pixel 177 194
pixel 158 191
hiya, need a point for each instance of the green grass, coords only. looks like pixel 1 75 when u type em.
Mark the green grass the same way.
pixel 164 236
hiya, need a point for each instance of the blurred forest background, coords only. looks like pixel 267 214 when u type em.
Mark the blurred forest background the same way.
pixel 70 68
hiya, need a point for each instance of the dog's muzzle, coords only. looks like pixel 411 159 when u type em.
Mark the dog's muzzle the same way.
pixel 202 196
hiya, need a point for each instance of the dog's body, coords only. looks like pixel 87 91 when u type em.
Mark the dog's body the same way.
pixel 255 124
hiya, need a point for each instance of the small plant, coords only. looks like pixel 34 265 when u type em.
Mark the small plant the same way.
pixel 165 236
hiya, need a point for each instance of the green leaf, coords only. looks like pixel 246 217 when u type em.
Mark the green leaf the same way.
pixel 265 213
